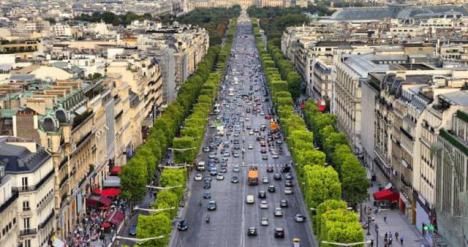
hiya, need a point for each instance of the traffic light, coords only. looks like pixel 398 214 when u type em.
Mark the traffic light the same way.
pixel 429 228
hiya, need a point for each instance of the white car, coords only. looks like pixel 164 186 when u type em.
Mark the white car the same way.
pixel 263 204
pixel 250 199
pixel 288 191
pixel 219 177
pixel 250 146
pixel 198 177
pixel 264 221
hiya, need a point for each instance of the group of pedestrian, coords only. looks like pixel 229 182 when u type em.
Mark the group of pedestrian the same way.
pixel 388 239
pixel 90 229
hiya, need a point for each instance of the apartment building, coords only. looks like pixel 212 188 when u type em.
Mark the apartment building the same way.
pixel 407 120
pixel 452 179
pixel 8 210
pixel 32 173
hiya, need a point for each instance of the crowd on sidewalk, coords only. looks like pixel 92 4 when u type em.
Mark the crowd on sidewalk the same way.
pixel 92 229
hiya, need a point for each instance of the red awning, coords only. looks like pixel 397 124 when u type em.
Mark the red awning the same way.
pixel 109 192
pixel 116 170
pixel 386 195
pixel 98 201
pixel 116 218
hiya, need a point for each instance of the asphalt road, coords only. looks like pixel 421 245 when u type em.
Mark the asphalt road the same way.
pixel 229 223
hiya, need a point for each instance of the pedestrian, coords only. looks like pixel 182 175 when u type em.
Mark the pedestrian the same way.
pixel 385 219
pixel 386 235
pixel 390 241
pixel 396 235
pixel 401 240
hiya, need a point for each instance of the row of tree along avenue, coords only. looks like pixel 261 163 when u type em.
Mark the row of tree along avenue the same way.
pixel 323 186
pixel 182 127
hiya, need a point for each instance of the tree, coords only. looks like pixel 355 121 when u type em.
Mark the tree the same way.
pixel 152 226
pixel 354 181
pixel 321 184
pixel 323 208
pixel 133 181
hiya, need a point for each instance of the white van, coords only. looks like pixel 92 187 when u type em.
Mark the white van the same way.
pixel 250 199
pixel 201 166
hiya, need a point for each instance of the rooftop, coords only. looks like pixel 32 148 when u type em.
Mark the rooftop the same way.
pixel 397 11
pixel 18 159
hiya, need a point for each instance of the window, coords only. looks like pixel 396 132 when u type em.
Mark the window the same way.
pixel 27 243
pixel 24 182
pixel 26 206
pixel 26 223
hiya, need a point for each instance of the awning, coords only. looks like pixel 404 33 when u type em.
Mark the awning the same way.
pixel 386 195
pixel 111 182
pixel 98 201
pixel 116 170
pixel 116 218
pixel 109 192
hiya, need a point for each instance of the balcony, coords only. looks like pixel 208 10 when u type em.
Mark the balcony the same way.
pixel 27 232
pixel 47 220
pixel 35 187
pixel 7 203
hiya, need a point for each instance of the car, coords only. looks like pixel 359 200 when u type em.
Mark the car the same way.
pixel 279 141
pixel 284 203
pixel 207 179
pixel 252 231
pixel 206 195
pixel 286 169
pixel 262 194
pixel 250 146
pixel 296 242
pixel 277 176
pixel 271 188
pixel 226 154
pixel 250 199
pixel 264 157
pixel 265 180
pixel 251 132
pixel 278 212
pixel 299 218
pixel 279 232
pixel 206 149
pixel 288 176
pixel 288 183
pixel 263 150
pixel 198 177
pixel 207 186
pixel 212 156
pixel 264 221
pixel 182 225
pixel 288 191
pixel 219 177
pixel 236 155
pixel 269 169
pixel 263 204
pixel 223 170
pixel 211 205
pixel 132 230
pixel 234 180
pixel 236 168
pixel 275 156
pixel 213 172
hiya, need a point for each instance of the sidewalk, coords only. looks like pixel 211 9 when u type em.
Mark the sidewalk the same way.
pixel 395 222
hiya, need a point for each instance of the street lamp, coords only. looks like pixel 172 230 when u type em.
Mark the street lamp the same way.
pixel 163 188
pixel 139 240
pixel 152 210
pixel 346 244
